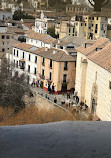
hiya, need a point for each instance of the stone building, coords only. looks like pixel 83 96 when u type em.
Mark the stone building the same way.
pixel 93 77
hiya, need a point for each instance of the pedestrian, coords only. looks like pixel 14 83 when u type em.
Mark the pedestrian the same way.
pixel 48 87
pixel 34 83
pixel 55 100
pixel 77 99
pixel 53 88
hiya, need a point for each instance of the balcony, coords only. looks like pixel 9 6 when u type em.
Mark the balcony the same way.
pixel 22 64
pixel 43 64
pixel 65 82
pixel 50 67
pixel 65 68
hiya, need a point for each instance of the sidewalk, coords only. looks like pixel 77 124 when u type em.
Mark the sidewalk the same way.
pixel 51 97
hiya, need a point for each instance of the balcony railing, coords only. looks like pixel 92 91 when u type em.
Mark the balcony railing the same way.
pixel 65 68
pixel 65 81
pixel 43 64
pixel 22 64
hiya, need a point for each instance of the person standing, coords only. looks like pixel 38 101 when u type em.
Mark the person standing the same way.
pixel 53 88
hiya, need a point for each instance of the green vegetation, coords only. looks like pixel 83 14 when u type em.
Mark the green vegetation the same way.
pixel 51 32
pixel 18 15
pixel 59 4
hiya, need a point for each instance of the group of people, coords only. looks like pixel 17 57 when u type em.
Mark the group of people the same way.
pixel 36 84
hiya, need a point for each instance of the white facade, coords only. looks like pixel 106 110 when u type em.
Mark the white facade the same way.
pixel 4 15
pixel 27 62
pixel 41 24
pixel 3 29
pixel 93 77
pixel 37 43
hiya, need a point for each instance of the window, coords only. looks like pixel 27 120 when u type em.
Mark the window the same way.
pixel 35 71
pixel 29 57
pixel 3 43
pixel 14 51
pixel 97 18
pixel 65 65
pixel 14 62
pixel 84 33
pixel 85 24
pixel 42 72
pixel 96 28
pixel 17 53
pixel 102 27
pixel 50 63
pixel 50 76
pixel 81 24
pixel 76 33
pixel 17 64
pixel 109 84
pixel 92 18
pixel 43 61
pixel 35 59
pixel 75 63
pixel 23 55
pixel 3 37
pixel 3 49
pixel 28 68
pixel 69 30
pixel 73 30
pixel 64 78
pixel 7 37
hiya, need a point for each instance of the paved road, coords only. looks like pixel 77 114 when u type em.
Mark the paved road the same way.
pixel 51 97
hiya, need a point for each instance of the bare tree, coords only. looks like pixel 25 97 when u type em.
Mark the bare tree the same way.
pixel 12 88
pixel 98 4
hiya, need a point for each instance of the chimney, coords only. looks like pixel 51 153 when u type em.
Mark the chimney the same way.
pixel 54 51
pixel 46 49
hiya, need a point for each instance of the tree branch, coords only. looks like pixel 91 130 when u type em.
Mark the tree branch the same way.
pixel 105 3
pixel 91 3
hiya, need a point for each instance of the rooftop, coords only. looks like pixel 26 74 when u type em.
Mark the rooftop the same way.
pixel 42 37
pixel 69 39
pixel 102 56
pixel 52 53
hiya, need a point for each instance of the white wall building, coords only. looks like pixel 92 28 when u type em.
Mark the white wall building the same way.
pixel 40 40
pixel 42 24
pixel 24 60
pixel 4 15
pixel 93 77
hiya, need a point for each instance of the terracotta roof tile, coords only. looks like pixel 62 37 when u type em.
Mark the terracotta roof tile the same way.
pixel 90 49
pixel 42 37
pixel 52 53
pixel 102 57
